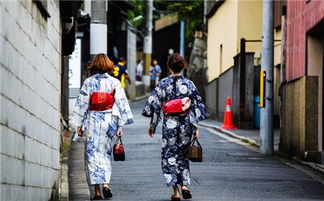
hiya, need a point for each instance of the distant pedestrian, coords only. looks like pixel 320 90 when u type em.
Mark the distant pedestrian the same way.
pixel 100 113
pixel 155 72
pixel 121 73
pixel 139 70
pixel 178 128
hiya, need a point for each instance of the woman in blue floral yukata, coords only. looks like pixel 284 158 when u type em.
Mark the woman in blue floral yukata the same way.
pixel 100 112
pixel 178 128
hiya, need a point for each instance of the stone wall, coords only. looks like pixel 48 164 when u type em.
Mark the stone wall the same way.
pixel 30 67
pixel 197 64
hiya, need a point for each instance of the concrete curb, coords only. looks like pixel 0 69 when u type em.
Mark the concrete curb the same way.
pixel 64 187
pixel 315 166
pixel 231 134
pixel 252 142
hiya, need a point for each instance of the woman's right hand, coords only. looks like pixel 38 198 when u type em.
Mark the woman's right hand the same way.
pixel 80 131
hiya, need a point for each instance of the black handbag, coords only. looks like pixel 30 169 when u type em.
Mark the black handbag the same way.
pixel 195 151
pixel 119 150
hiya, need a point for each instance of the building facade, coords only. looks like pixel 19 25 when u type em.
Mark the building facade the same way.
pixel 30 98
pixel 230 22
pixel 302 123
pixel 234 58
pixel 229 71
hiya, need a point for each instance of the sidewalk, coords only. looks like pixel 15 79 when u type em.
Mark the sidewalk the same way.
pixel 78 187
pixel 252 137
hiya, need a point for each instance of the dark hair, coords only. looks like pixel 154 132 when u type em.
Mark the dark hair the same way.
pixel 122 59
pixel 101 64
pixel 176 62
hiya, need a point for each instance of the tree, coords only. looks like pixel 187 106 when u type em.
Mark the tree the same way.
pixel 138 11
pixel 192 14
pixel 191 11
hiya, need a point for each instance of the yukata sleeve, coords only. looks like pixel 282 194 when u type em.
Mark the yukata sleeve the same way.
pixel 121 108
pixel 153 106
pixel 80 111
pixel 198 111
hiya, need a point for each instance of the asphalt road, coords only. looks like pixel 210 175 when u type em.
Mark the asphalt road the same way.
pixel 229 172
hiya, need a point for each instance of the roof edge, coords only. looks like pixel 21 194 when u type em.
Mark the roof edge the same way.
pixel 214 8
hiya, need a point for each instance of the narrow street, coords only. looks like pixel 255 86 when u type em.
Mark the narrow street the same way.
pixel 229 172
pixel 258 66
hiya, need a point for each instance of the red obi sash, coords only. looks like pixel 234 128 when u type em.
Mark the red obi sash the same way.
pixel 176 106
pixel 100 101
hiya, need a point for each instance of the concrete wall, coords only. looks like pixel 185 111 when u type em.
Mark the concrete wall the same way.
pixel 299 124
pixel 225 89
pixel 212 98
pixel 315 64
pixel 30 66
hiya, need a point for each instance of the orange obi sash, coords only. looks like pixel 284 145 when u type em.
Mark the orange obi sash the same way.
pixel 100 101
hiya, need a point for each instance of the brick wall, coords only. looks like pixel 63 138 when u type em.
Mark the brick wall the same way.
pixel 301 17
pixel 30 67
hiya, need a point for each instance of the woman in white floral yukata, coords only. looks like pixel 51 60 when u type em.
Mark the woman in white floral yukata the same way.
pixel 178 127
pixel 100 112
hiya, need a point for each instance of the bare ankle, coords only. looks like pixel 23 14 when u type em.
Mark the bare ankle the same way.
pixel 176 192
pixel 184 187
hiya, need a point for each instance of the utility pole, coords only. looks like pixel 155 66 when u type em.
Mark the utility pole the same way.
pixel 98 27
pixel 266 130
pixel 182 38
pixel 148 42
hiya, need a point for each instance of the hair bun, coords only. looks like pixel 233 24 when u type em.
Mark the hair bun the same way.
pixel 176 62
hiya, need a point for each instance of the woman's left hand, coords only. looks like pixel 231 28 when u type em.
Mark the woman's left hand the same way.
pixel 150 132
pixel 197 134
pixel 120 132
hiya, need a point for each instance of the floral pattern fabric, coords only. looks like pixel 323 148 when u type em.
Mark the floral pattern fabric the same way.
pixel 100 127
pixel 177 131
